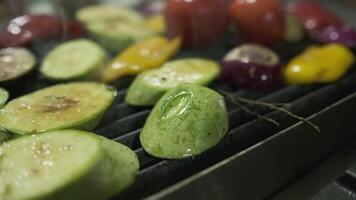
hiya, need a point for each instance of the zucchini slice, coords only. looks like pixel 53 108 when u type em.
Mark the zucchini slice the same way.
pixel 77 59
pixel 186 121
pixel 150 86
pixel 15 62
pixel 66 164
pixel 113 27
pixel 73 105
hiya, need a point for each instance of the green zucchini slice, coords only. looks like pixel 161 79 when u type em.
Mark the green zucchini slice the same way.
pixel 73 105
pixel 62 165
pixel 186 121
pixel 77 59
pixel 15 62
pixel 150 86
pixel 113 27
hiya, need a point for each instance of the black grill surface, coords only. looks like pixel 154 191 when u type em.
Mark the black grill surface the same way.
pixel 123 123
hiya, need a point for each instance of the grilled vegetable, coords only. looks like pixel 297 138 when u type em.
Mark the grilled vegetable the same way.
pixel 77 59
pixel 150 86
pixel 336 34
pixel 294 30
pixel 258 21
pixel 66 164
pixel 319 65
pixel 198 22
pixel 27 29
pixel 114 27
pixel 72 105
pixel 15 62
pixel 186 121
pixel 4 96
pixel 252 66
pixel 147 54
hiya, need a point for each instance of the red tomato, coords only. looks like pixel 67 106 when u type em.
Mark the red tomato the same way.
pixel 312 15
pixel 25 29
pixel 258 21
pixel 198 22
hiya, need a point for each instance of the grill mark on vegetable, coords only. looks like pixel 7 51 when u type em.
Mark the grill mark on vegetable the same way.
pixel 60 103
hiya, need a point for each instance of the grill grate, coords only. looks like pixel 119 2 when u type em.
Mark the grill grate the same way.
pixel 123 123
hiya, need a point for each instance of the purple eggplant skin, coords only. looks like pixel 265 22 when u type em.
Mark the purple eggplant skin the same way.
pixel 251 75
pixel 336 34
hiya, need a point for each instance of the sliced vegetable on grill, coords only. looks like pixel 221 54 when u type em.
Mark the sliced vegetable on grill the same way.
pixel 26 29
pixel 313 15
pixel 4 96
pixel 114 27
pixel 66 164
pixel 252 66
pixel 294 29
pixel 76 59
pixel 187 120
pixel 15 62
pixel 319 64
pixel 73 105
pixel 150 86
pixel 258 21
pixel 198 22
pixel 336 34
pixel 147 54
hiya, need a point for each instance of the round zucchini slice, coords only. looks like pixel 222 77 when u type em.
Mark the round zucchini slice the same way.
pixel 115 28
pixel 66 164
pixel 186 121
pixel 77 59
pixel 150 86
pixel 100 13
pixel 15 62
pixel 72 105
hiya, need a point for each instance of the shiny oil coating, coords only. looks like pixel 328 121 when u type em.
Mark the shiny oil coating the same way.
pixel 188 120
pixel 15 62
pixel 253 53
pixel 78 105
pixel 35 166
pixel 150 86
pixel 319 64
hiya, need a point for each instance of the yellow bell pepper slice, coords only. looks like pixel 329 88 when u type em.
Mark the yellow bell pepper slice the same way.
pixel 147 54
pixel 322 64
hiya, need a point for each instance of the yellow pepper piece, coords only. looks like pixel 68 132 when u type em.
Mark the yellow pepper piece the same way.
pixel 322 64
pixel 147 54
pixel 156 23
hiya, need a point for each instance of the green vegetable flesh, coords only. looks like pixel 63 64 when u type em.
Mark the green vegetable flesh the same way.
pixel 15 62
pixel 78 59
pixel 4 96
pixel 63 165
pixel 151 85
pixel 186 121
pixel 73 105
pixel 114 27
